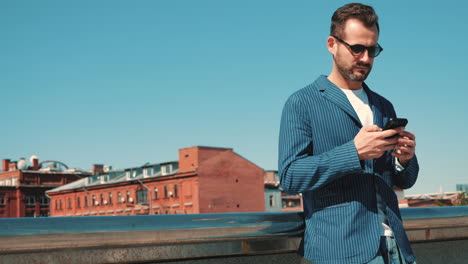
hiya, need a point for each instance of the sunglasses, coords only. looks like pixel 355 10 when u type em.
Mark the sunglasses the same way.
pixel 359 49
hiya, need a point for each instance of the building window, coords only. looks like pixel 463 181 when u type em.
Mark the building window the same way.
pixel 14 181
pixel 2 199
pixel 129 198
pixel 166 195
pixel 147 172
pixel 166 169
pixel 69 203
pixel 104 178
pixel 131 174
pixel 142 197
pixel 102 199
pixel 110 198
pixel 291 203
pixel 86 204
pixel 272 201
pixel 56 205
pixel 78 202
pixel 119 197
pixel 2 182
pixel 155 193
pixel 176 190
pixel 93 201
pixel 44 200
pixel 60 204
pixel 30 200
pixel 7 181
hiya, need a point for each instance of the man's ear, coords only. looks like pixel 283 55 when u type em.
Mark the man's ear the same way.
pixel 331 45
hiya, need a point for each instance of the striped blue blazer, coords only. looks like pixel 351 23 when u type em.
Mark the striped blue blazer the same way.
pixel 318 158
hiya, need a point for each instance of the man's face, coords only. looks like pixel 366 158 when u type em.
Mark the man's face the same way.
pixel 351 66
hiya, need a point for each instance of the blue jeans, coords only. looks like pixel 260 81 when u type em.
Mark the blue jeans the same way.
pixel 389 253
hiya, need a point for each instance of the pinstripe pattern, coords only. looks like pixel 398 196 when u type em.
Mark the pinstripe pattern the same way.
pixel 318 158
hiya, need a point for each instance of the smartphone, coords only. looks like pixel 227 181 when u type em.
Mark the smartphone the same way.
pixel 395 122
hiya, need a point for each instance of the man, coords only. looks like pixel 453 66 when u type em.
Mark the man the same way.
pixel 333 150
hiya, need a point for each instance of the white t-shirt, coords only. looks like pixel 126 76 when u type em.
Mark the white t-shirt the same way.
pixel 360 102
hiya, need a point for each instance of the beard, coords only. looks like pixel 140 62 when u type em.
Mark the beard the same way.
pixel 351 72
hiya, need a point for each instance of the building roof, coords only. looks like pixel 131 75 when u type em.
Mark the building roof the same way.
pixel 432 196
pixel 145 171
pixel 208 147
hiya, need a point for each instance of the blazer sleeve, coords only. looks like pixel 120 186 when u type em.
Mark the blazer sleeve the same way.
pixel 406 178
pixel 298 168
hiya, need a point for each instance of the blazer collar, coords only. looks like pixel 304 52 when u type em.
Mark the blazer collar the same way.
pixel 335 95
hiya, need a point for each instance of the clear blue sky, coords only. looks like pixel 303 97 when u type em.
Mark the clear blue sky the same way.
pixel 122 83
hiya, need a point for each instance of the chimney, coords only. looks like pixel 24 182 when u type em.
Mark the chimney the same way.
pixel 97 169
pixel 5 165
pixel 35 164
pixel 12 166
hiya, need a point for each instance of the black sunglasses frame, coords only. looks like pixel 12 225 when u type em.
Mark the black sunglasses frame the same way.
pixel 358 49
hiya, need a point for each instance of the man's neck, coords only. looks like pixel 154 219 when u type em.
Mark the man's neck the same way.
pixel 343 83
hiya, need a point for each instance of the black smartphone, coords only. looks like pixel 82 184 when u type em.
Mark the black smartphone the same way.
pixel 395 122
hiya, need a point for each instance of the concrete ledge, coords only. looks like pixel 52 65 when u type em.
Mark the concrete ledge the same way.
pixel 205 238
pixel 157 252
pixel 436 223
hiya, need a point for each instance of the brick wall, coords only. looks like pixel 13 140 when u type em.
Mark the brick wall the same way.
pixel 166 195
pixel 230 183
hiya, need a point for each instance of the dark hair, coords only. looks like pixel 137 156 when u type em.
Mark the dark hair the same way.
pixel 363 13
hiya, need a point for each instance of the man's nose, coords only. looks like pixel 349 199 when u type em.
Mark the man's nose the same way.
pixel 365 57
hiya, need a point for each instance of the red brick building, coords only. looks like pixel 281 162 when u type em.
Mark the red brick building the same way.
pixel 22 187
pixel 433 199
pixel 203 180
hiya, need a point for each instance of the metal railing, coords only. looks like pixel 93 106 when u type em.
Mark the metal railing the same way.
pixel 192 238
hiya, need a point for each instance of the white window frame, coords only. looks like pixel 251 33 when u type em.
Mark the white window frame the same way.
pixel 30 200
pixel 147 172
pixel 166 169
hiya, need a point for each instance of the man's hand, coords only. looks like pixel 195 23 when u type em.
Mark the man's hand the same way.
pixel 405 148
pixel 371 142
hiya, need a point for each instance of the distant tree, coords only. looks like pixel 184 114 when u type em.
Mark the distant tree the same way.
pixel 463 198
pixel 439 203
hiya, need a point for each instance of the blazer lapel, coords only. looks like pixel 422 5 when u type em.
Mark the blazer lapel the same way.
pixel 375 106
pixel 336 96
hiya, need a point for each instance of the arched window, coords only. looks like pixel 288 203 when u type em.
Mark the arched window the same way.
pixel 128 196
pixel 155 193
